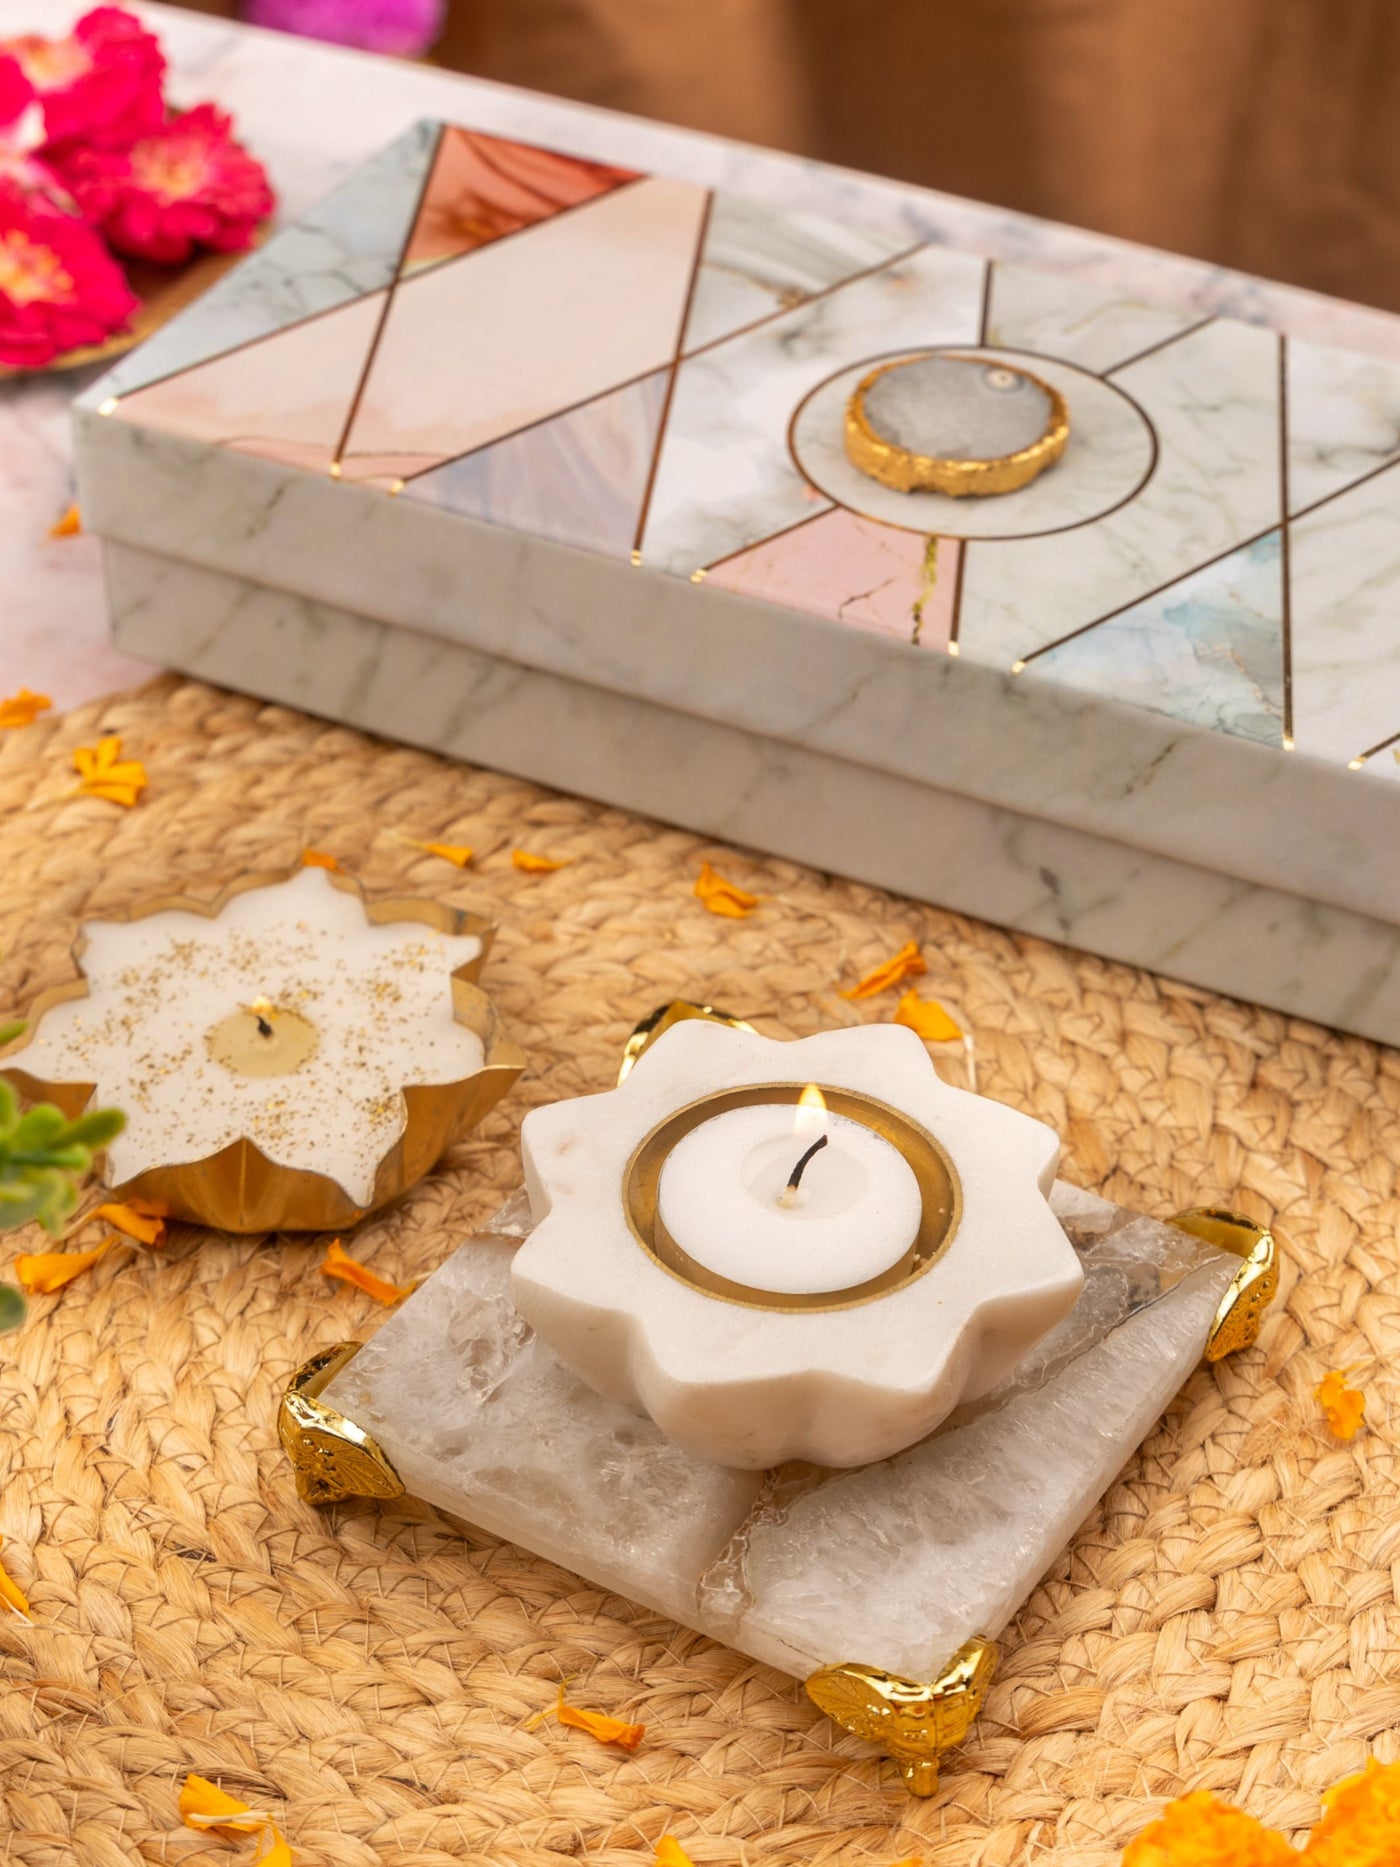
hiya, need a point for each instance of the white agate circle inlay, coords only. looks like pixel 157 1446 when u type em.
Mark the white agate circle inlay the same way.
pixel 958 408
pixel 1108 459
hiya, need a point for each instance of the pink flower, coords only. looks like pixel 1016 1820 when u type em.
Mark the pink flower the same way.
pixel 101 84
pixel 59 286
pixel 403 27
pixel 187 184
pixel 22 133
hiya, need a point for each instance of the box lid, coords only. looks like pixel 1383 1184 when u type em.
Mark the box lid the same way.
pixel 1180 636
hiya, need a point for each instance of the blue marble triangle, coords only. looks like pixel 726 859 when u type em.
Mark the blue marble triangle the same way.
pixel 579 478
pixel 759 261
pixel 1208 648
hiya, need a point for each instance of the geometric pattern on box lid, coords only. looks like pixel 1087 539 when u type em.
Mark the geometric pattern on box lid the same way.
pixel 654 371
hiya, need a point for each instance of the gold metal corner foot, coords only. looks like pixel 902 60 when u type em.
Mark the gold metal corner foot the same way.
pixel 658 1022
pixel 1255 1285
pixel 331 1456
pixel 913 1722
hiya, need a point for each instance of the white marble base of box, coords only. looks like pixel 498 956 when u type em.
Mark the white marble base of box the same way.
pixel 892 1566
pixel 1337 965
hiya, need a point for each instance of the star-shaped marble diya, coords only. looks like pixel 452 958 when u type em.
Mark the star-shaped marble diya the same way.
pixel 810 1250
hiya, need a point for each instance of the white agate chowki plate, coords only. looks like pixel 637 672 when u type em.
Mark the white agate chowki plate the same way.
pixel 1149 704
pixel 892 1566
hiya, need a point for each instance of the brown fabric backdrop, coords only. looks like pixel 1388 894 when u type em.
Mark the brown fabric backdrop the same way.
pixel 1255 133
pixel 1258 134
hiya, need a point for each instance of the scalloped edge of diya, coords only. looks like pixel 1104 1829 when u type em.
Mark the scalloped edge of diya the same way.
pixel 240 1189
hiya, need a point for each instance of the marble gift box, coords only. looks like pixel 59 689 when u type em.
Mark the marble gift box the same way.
pixel 538 462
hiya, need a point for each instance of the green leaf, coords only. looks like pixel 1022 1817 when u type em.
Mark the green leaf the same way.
pixel 70 1159
pixel 38 1128
pixel 42 1193
pixel 15 1028
pixel 12 1308
pixel 95 1129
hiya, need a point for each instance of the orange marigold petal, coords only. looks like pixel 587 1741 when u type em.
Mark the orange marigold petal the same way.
pixel 597 1724
pixel 68 526
pixel 907 963
pixel 318 859
pixel 721 896
pixel 1361 1826
pixel 531 864
pixel 1344 1407
pixel 23 708
pixel 102 772
pixel 203 1805
pixel 142 1219
pixel 458 853
pixel 670 1853
pixel 933 1024
pixel 1198 1831
pixel 43 1272
pixel 12 1594
pixel 337 1263
pixel 279 1854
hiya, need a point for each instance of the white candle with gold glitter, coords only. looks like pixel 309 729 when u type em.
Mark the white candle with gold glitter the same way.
pixel 291 1020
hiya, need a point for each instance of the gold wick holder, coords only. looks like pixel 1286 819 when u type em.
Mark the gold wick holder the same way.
pixel 939 1188
pixel 261 1040
pixel 882 459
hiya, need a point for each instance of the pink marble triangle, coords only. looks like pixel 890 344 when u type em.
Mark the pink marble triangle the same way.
pixel 527 328
pixel 286 397
pixel 854 571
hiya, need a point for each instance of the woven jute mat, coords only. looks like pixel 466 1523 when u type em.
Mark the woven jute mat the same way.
pixel 1227 1619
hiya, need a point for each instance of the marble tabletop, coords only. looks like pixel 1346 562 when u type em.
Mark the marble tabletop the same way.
pixel 312 112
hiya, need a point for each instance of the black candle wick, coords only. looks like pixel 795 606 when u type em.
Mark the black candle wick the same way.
pixel 795 1178
pixel 265 1029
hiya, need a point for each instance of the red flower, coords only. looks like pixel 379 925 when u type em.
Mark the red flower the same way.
pixel 188 184
pixel 16 93
pixel 59 286
pixel 101 85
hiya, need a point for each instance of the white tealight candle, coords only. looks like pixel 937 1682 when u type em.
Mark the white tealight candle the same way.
pixel 724 1199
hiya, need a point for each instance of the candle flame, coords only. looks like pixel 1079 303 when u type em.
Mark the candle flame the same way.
pixel 262 1008
pixel 809 1118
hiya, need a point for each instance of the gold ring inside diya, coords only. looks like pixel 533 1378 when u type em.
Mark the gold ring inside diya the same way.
pixel 962 426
